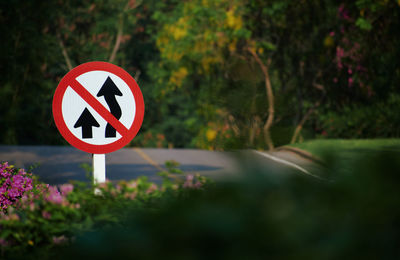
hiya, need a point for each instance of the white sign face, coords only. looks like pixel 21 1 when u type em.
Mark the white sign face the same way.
pixel 98 107
pixel 81 118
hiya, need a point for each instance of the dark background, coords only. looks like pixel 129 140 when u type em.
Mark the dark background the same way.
pixel 333 66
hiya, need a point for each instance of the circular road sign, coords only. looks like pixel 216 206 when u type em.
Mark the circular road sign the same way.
pixel 98 107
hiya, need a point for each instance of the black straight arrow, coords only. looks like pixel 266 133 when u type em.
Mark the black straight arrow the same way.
pixel 86 121
pixel 109 90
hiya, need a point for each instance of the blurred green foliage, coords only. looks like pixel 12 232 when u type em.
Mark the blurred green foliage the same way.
pixel 47 218
pixel 338 146
pixel 368 121
pixel 266 214
pixel 201 84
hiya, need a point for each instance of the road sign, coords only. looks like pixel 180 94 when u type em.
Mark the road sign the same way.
pixel 98 107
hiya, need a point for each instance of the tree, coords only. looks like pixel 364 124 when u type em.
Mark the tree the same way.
pixel 39 37
pixel 210 39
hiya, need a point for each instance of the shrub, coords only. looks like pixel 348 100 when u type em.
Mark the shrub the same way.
pixel 378 120
pixel 266 214
pixel 41 218
pixel 14 183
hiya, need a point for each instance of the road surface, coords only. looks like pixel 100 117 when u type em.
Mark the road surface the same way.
pixel 59 164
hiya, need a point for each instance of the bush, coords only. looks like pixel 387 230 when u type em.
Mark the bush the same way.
pixel 14 183
pixel 264 215
pixel 370 121
pixel 43 218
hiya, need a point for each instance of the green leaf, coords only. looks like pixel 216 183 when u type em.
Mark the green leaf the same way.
pixel 364 24
pixel 269 46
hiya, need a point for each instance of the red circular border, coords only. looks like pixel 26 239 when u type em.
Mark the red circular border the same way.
pixel 57 107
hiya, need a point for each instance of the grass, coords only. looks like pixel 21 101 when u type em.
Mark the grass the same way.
pixel 350 147
pixel 345 153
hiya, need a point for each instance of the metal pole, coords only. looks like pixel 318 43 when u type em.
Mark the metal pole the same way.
pixel 99 168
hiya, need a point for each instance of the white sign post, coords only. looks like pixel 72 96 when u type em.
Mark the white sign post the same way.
pixel 99 168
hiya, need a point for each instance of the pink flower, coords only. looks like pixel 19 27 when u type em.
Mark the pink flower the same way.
pixel 343 13
pixel 152 188
pixel 118 187
pixel 341 8
pixel 46 214
pixel 370 92
pixel 350 82
pixel 59 240
pixel 3 242
pixel 131 195
pixel 332 34
pixel 104 185
pixel 13 184
pixel 66 189
pixel 198 185
pixel 54 196
pixel 11 217
pixel 339 52
pixel 132 185
pixel 189 181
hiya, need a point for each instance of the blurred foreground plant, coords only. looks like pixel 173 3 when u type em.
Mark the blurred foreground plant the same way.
pixel 267 214
pixel 38 218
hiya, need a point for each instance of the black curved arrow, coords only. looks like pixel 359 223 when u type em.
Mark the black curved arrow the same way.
pixel 86 121
pixel 109 90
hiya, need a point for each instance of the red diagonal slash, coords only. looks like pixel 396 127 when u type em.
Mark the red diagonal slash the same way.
pixel 98 107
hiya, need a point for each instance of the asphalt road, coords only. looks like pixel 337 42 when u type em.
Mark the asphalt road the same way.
pixel 59 164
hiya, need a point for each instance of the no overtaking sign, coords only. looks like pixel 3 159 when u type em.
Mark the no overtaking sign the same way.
pixel 98 107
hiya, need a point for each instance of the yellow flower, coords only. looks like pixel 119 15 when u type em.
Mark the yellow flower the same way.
pixel 328 41
pixel 201 47
pixel 179 33
pixel 208 61
pixel 211 134
pixel 232 46
pixel 233 21
pixel 178 76
pixel 205 3
pixel 172 55
pixel 30 242
pixel 180 29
